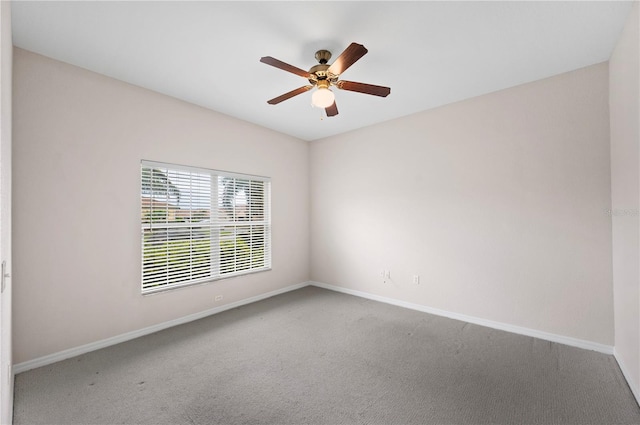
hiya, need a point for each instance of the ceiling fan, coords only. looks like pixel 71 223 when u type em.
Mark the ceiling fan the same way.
pixel 324 76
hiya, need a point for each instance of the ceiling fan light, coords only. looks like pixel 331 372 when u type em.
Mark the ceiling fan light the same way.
pixel 322 98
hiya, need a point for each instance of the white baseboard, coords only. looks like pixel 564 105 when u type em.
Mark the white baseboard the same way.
pixel 627 376
pixel 561 339
pixel 83 349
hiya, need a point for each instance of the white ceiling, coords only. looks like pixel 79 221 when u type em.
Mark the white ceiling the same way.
pixel 429 53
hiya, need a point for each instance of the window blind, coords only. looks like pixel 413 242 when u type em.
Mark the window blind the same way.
pixel 200 225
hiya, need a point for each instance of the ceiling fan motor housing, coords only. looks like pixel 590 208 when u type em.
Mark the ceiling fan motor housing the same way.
pixel 320 70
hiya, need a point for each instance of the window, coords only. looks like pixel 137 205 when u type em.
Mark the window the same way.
pixel 200 225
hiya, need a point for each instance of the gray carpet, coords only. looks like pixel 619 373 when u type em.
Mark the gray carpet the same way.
pixel 314 356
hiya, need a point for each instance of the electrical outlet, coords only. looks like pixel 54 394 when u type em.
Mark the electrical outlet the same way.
pixel 385 275
pixel 416 279
pixel 219 298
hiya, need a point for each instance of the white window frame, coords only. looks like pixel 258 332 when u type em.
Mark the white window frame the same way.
pixel 177 252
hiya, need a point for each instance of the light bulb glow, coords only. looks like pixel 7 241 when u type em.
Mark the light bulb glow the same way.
pixel 322 98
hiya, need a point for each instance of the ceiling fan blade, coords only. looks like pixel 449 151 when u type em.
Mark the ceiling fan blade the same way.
pixel 332 110
pixel 347 58
pixel 364 88
pixel 285 66
pixel 289 95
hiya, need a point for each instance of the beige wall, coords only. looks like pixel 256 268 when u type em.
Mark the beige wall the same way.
pixel 625 194
pixel 79 138
pixel 499 203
